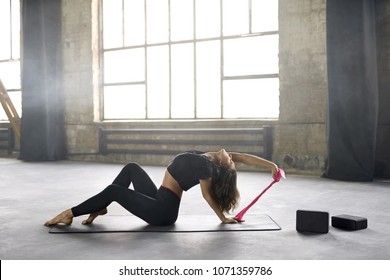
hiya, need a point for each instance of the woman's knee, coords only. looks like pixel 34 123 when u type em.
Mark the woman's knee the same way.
pixel 132 167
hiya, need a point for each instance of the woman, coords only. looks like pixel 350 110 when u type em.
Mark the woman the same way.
pixel 214 171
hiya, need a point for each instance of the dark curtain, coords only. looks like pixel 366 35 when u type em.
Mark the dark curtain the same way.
pixel 353 90
pixel 42 124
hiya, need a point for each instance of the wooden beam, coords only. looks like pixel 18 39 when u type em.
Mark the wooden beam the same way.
pixel 10 110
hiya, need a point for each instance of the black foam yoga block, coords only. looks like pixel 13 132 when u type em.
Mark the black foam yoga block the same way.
pixel 312 221
pixel 349 222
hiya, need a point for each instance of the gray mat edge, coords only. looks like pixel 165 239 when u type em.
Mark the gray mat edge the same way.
pixel 151 228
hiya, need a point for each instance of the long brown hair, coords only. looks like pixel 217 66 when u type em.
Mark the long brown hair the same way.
pixel 224 190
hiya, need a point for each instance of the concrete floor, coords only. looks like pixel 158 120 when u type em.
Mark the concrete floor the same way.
pixel 31 193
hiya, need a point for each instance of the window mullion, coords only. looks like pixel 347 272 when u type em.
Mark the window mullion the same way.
pixel 193 37
pixel 221 54
pixel 123 23
pixel 170 59
pixel 146 66
pixel 10 30
pixel 146 83
pixel 250 16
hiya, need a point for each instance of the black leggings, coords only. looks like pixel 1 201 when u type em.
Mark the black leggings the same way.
pixel 154 206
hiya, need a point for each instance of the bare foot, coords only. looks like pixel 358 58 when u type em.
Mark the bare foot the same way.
pixel 65 217
pixel 93 216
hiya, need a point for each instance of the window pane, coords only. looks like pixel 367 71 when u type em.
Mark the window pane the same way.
pixel 134 21
pixel 235 17
pixel 157 21
pixel 182 70
pixel 3 115
pixel 15 29
pixel 251 98
pixel 16 99
pixel 208 18
pixel 5 30
pixel 182 20
pixel 112 24
pixel 124 102
pixel 264 15
pixel 251 55
pixel 158 82
pixel 208 79
pixel 10 74
pixel 124 66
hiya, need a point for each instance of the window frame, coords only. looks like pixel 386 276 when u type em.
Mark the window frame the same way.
pixel 171 43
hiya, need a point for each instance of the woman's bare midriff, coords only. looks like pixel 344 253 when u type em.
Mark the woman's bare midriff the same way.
pixel 170 183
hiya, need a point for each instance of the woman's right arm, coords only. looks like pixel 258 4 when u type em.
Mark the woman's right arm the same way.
pixel 205 186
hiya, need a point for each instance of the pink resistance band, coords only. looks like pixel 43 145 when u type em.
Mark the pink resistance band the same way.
pixel 281 174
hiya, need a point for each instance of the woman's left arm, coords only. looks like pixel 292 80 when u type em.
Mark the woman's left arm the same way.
pixel 255 160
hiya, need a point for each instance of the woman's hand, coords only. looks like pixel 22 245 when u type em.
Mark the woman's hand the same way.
pixel 274 169
pixel 229 220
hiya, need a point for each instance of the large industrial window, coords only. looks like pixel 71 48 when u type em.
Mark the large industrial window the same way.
pixel 190 59
pixel 10 52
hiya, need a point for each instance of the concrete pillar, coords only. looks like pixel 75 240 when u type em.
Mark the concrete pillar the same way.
pixel 80 74
pixel 300 137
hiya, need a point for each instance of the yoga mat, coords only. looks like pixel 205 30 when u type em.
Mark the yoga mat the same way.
pixel 185 223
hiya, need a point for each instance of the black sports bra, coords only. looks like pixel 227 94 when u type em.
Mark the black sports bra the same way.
pixel 189 167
